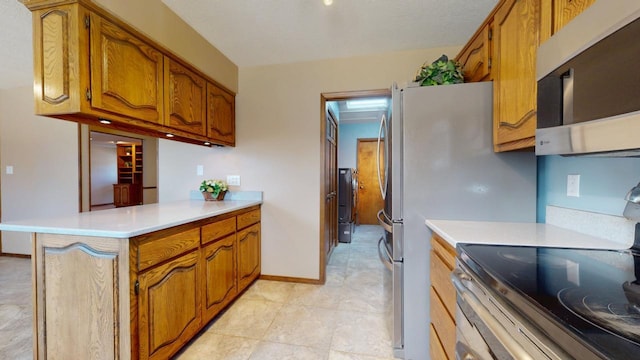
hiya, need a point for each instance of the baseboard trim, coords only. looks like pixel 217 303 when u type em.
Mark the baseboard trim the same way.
pixel 291 279
pixel 22 256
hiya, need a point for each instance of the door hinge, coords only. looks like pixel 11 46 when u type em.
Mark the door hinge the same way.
pixel 87 22
pixel 490 34
pixel 489 63
pixel 88 95
pixel 136 287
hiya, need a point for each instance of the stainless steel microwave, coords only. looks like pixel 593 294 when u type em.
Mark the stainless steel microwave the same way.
pixel 589 83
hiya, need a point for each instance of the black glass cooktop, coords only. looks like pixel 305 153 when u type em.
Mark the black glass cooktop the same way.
pixel 575 296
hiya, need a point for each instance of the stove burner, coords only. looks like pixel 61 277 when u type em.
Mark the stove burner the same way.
pixel 539 259
pixel 604 311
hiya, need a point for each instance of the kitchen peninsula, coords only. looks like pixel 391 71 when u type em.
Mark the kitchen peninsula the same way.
pixel 141 281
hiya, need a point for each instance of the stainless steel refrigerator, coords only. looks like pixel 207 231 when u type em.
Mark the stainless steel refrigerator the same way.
pixel 438 163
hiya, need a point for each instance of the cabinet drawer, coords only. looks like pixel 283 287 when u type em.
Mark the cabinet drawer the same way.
pixel 441 282
pixel 156 251
pixel 447 252
pixel 248 218
pixel 218 229
pixel 444 325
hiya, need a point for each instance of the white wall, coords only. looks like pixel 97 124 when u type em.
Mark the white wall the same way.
pixel 104 173
pixel 278 147
pixel 44 156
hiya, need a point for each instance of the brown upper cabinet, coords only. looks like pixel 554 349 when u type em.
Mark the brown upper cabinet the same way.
pixel 221 114
pixel 185 99
pixel 126 73
pixel 516 33
pixel 504 50
pixel 475 58
pixel 90 66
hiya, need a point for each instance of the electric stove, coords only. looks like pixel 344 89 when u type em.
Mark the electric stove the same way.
pixel 585 301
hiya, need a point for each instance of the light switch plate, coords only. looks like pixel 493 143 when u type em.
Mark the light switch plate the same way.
pixel 573 185
pixel 9 170
pixel 233 180
pixel 200 170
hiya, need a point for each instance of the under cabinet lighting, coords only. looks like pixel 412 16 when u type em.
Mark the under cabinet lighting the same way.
pixel 206 143
pixel 169 135
pixel 105 121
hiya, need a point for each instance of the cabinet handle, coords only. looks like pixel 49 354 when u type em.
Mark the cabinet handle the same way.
pixel 136 287
pixel 88 94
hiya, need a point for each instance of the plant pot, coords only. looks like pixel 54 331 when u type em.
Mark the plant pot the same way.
pixel 209 196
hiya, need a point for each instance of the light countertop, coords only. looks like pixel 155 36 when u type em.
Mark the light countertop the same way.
pixel 130 221
pixel 520 234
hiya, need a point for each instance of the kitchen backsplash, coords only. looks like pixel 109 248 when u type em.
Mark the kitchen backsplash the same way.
pixel 604 182
pixel 610 227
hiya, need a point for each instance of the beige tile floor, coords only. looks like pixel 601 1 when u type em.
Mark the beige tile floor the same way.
pixel 345 319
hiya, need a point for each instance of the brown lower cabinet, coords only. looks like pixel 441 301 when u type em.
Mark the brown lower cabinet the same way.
pixel 442 340
pixel 143 297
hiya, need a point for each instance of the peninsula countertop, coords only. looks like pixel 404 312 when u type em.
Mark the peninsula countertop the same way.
pixel 519 234
pixel 130 221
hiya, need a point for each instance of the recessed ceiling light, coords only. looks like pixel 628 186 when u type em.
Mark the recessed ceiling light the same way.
pixel 327 2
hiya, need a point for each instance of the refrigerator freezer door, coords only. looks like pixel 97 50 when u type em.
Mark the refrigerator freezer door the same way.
pixel 450 171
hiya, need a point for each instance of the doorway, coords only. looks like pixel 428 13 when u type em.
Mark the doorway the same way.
pixel 328 170
pixel 116 165
pixel 370 199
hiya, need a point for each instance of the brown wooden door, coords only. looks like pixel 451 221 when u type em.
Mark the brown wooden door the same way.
pixel 220 276
pixel 185 99
pixel 369 197
pixel 169 311
pixel 331 185
pixel 126 73
pixel 221 115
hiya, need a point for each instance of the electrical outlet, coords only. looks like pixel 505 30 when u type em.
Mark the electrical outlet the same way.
pixel 573 185
pixel 233 180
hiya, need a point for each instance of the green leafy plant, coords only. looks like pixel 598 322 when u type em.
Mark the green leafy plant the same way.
pixel 213 186
pixel 440 72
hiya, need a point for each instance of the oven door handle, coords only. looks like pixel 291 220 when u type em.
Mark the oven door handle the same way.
pixel 512 346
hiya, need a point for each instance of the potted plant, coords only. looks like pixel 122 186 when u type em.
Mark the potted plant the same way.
pixel 213 189
pixel 440 72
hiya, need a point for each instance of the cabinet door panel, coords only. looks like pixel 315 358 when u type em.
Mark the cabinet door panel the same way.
pixel 221 117
pixel 443 324
pixel 516 34
pixel 126 73
pixel 475 58
pixel 185 98
pixel 220 276
pixel 248 255
pixel 169 307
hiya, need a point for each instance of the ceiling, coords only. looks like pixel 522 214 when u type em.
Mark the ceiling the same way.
pixel 262 32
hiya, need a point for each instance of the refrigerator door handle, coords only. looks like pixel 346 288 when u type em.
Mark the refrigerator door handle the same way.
pixel 383 187
pixel 384 257
pixel 382 221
